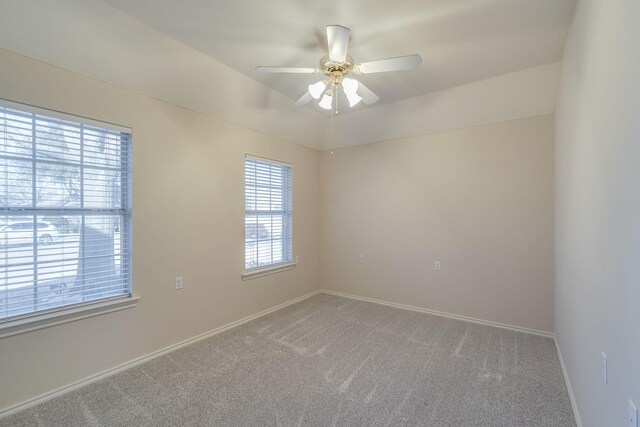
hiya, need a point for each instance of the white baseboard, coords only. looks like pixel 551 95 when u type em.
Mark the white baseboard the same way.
pixel 112 371
pixel 574 404
pixel 443 314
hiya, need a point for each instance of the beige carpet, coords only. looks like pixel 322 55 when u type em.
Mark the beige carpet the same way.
pixel 332 361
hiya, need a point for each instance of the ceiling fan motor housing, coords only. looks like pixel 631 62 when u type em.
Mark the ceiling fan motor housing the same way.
pixel 336 70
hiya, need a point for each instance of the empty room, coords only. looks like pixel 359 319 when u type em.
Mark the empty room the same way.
pixel 305 213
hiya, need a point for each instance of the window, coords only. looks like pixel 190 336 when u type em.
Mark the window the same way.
pixel 267 215
pixel 65 211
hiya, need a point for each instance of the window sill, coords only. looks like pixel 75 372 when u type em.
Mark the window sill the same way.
pixel 45 320
pixel 259 272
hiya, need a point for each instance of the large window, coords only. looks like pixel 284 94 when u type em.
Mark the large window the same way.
pixel 65 211
pixel 267 217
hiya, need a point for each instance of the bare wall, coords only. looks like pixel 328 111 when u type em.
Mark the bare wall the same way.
pixel 598 209
pixel 188 174
pixel 479 200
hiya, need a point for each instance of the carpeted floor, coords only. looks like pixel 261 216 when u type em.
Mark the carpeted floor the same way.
pixel 332 361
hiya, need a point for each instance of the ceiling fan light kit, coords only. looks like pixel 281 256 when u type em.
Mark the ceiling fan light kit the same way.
pixel 337 65
pixel 327 100
pixel 317 89
pixel 350 88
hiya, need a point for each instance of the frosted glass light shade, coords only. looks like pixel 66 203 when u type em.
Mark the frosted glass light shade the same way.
pixel 353 98
pixel 316 89
pixel 350 85
pixel 326 102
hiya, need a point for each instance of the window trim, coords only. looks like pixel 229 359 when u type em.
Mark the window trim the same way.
pixel 270 269
pixel 56 114
pixel 68 313
pixel 251 273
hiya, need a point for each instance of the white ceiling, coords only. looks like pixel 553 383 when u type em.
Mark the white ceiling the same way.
pixel 460 41
pixel 485 61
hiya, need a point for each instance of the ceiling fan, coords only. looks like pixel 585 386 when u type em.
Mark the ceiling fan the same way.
pixel 337 65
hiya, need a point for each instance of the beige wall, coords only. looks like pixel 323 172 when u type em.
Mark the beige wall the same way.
pixel 525 93
pixel 598 209
pixel 188 220
pixel 479 200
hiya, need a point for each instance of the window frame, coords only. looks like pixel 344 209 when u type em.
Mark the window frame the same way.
pixel 288 243
pixel 50 316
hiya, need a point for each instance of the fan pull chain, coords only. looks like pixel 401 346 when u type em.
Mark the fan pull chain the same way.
pixel 332 135
pixel 334 111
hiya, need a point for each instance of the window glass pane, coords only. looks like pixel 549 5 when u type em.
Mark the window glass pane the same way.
pixel 16 183
pixel 16 131
pixel 102 188
pixel 102 148
pixel 57 140
pixel 57 185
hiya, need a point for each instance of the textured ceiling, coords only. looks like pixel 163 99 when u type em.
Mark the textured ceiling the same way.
pixel 460 41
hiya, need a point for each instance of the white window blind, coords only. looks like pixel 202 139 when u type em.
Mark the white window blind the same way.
pixel 65 206
pixel 267 218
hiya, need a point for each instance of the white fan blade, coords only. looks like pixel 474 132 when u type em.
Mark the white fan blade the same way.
pixel 367 95
pixel 304 99
pixel 289 70
pixel 392 64
pixel 338 41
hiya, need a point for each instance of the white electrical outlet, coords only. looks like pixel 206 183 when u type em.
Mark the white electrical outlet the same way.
pixel 297 259
pixel 179 282
pixel 436 265
pixel 603 362
pixel 361 259
pixel 633 415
